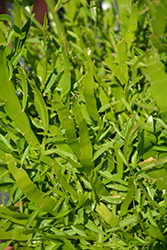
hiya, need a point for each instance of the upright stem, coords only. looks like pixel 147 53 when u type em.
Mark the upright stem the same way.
pixel 61 31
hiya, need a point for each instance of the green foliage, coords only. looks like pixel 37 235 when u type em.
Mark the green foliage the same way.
pixel 83 127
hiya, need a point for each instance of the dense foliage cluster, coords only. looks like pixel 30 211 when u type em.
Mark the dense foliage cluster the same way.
pixel 83 119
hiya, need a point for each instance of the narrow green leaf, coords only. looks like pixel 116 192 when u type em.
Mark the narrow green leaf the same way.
pixel 117 187
pixel 59 25
pixel 122 157
pixel 105 104
pixel 17 57
pixel 63 182
pixel 24 86
pixel 67 120
pixel 56 168
pixel 41 107
pixel 4 17
pixel 103 148
pixel 17 18
pixel 130 133
pixel 104 108
pixel 29 188
pixel 155 232
pixel 158 21
pixel 111 177
pixel 20 219
pixel 25 29
pixel 5 245
pixel 124 8
pixel 108 216
pixel 132 25
pixel 136 80
pixel 31 218
pixel 111 200
pixel 158 84
pixel 66 86
pixel 122 51
pixel 150 217
pixel 25 154
pixel 13 233
pixel 128 221
pixel 90 225
pixel 129 197
pixel 85 144
pixel 52 79
pixel 146 106
pixel 78 230
pixel 12 104
pixel 89 86
pixel 2 38
pixel 116 70
pixel 5 141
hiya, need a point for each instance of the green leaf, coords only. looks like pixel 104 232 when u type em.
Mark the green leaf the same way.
pixel 4 17
pixel 20 219
pixel 158 84
pixel 56 170
pixel 122 51
pixel 29 188
pixel 90 225
pixel 132 25
pixel 60 27
pixel 103 148
pixel 116 70
pixel 128 198
pixel 17 57
pixel 14 233
pixel 118 187
pixel 85 144
pixel 66 119
pixel 108 216
pixel 124 9
pixel 25 29
pixel 111 200
pixel 77 230
pixel 155 232
pixel 41 107
pixel 65 82
pixel 158 21
pixel 31 218
pixel 51 80
pixel 5 245
pixel 12 104
pixel 5 141
pixel 105 104
pixel 89 86
pixel 17 19
pixel 2 39
pixel 22 76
